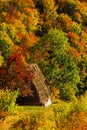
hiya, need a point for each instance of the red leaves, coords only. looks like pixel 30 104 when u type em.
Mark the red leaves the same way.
pixel 17 63
pixel 15 75
pixel 1 71
pixel 14 58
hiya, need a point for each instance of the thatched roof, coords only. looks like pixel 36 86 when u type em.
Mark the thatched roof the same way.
pixel 39 82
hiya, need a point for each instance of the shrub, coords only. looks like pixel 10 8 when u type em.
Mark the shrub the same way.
pixel 8 100
pixel 68 92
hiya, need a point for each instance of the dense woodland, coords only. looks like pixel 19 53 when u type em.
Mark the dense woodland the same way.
pixel 53 34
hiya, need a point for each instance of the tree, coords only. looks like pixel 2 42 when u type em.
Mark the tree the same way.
pixel 14 75
pixel 6 44
pixel 49 14
pixel 58 66
pixel 65 21
pixel 66 6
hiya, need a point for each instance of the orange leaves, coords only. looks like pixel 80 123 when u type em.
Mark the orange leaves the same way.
pixel 10 14
pixel 38 56
pixel 28 39
pixel 77 44
pixel 85 30
pixel 73 35
pixel 29 11
pixel 66 22
pixel 9 18
pixel 17 49
pixel 84 35
pixel 32 39
pixel 77 17
pixel 74 39
pixel 81 8
pixel 73 51
pixel 23 51
pixel 76 121
pixel 20 35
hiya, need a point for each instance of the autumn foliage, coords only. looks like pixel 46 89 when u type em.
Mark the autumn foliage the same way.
pixel 32 31
pixel 76 121
pixel 53 34
pixel 15 75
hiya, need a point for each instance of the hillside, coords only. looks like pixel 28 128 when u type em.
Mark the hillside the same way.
pixel 53 34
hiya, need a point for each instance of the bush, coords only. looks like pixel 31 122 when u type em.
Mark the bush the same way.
pixel 8 100
pixel 67 92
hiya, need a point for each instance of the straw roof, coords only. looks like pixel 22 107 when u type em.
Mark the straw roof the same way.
pixel 39 82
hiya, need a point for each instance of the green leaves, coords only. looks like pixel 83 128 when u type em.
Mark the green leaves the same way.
pixel 77 28
pixel 5 44
pixel 8 100
pixel 58 39
pixel 58 66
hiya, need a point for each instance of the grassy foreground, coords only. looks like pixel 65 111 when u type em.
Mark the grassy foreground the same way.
pixel 60 115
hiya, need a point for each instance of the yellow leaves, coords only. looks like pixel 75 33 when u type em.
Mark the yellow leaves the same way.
pixel 4 1
pixel 1 59
pixel 6 36
pixel 82 8
pixel 23 3
pixel 19 24
pixel 4 14
pixel 32 20
pixel 50 9
pixel 56 93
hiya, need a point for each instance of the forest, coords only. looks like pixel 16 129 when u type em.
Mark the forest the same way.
pixel 52 34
